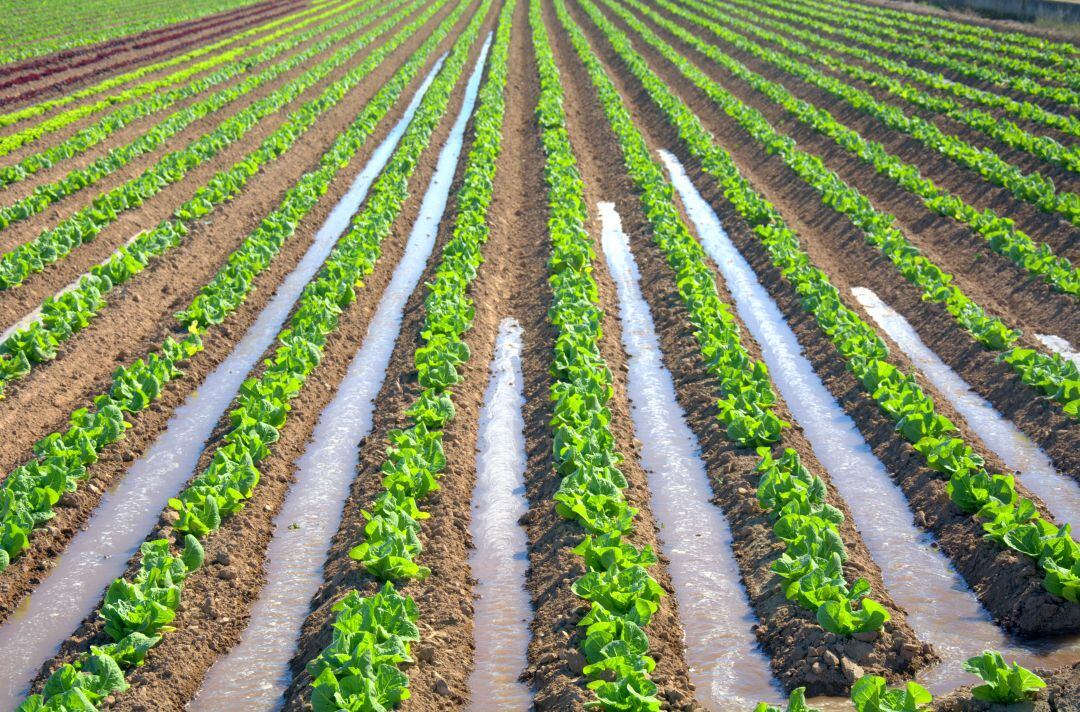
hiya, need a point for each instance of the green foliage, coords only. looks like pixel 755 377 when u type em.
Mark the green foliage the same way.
pixel 897 394
pixel 137 611
pixel 1004 684
pixel 870 694
pixel 796 703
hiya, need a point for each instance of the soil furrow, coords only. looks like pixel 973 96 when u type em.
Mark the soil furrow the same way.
pixel 787 631
pixel 17 302
pixel 1029 162
pixel 1009 587
pixel 839 246
pixel 218 597
pixel 1051 228
pixel 142 125
pixel 66 77
pixel 139 320
pixel 443 658
pixel 665 630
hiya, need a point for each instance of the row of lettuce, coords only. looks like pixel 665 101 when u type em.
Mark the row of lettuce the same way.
pixel 1001 129
pixel 36 29
pixel 372 635
pixel 1051 93
pixel 1002 683
pixel 1008 519
pixel 1050 374
pixel 138 610
pixel 45 194
pixel 92 135
pixel 29 493
pixel 811 565
pixel 1031 187
pixel 1029 47
pixel 762 14
pixel 191 69
pixel 83 226
pixel 1060 69
pixel 63 315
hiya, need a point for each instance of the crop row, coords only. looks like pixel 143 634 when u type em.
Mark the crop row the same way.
pixel 955 33
pixel 78 179
pixel 35 35
pixel 803 29
pixel 1063 73
pixel 83 226
pixel 54 123
pixel 1061 95
pixel 36 486
pixel 807 526
pixel 1007 41
pixel 92 135
pixel 1007 518
pixel 138 611
pixel 1003 130
pixel 1031 187
pixel 1050 374
pixel 68 313
pixel 372 635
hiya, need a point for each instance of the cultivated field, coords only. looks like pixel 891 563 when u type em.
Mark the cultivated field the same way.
pixel 537 354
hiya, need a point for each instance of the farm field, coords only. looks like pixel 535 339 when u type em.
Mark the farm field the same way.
pixel 537 354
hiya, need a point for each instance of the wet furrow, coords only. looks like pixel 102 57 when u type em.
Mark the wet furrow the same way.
pixel 499 557
pixel 256 672
pixel 726 664
pixel 940 606
pixel 100 551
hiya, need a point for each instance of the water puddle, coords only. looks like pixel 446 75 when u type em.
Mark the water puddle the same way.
pixel 726 664
pixel 499 558
pixel 100 552
pixel 1060 346
pixel 255 673
pixel 1061 494
pixel 941 608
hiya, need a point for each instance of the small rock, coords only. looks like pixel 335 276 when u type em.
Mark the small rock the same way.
pixel 676 696
pixel 68 499
pixel 920 519
pixel 852 671
pixel 867 637
pixel 547 658
pixel 226 574
pixel 817 667
pixel 170 516
pixel 223 558
pixel 426 653
pixel 575 661
pixel 128 456
pixel 830 659
pixel 441 687
pixel 136 298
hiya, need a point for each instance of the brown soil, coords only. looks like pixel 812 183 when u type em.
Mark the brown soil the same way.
pixel 219 596
pixel 139 320
pixel 16 302
pixel 1024 303
pixel 1051 228
pixel 54 77
pixel 1063 178
pixel 21 233
pixel 555 660
pixel 788 632
pixel 1009 587
pixel 1001 25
